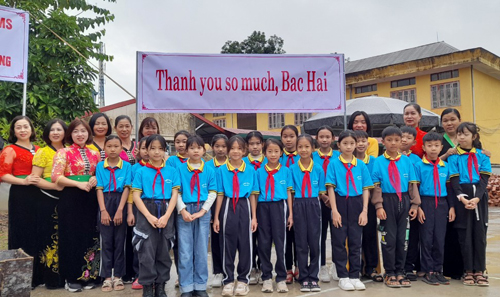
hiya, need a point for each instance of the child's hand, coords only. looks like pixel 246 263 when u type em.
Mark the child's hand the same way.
pixel 327 203
pixel 381 215
pixel 84 186
pixel 92 181
pixel 412 213
pixel 162 221
pixel 130 219
pixel 254 225
pixel 290 223
pixel 451 214
pixel 363 218
pixel 118 219
pixel 198 215
pixel 105 218
pixel 186 216
pixel 336 219
pixel 216 225
pixel 421 215
pixel 152 220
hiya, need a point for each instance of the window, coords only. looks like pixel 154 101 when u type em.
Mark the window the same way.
pixel 409 95
pixel 445 95
pixel 220 122
pixel 218 114
pixel 301 118
pixel 403 82
pixel 366 89
pixel 444 75
pixel 276 120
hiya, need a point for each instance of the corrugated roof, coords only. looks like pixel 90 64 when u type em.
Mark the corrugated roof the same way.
pixel 406 55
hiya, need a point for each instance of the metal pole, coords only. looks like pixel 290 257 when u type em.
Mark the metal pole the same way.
pixel 136 97
pixel 345 100
pixel 25 86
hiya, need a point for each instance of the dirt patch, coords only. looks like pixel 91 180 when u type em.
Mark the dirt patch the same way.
pixel 4 226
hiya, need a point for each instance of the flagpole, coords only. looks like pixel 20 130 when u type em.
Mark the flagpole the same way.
pixel 24 97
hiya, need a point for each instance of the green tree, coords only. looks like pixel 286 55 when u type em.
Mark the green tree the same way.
pixel 256 43
pixel 60 81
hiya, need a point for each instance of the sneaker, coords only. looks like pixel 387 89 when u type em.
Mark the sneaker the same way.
pixel 73 287
pixel 217 281
pixel 267 286
pixel 345 284
pixel 187 294
pixel 228 290
pixel 241 289
pixel 411 276
pixel 357 284
pixel 333 272
pixel 136 285
pixel 281 287
pixel 430 279
pixel 314 287
pixel 441 279
pixel 89 286
pixel 304 287
pixel 254 277
pixel 127 280
pixel 324 276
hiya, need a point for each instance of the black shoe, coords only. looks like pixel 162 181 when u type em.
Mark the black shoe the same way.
pixel 304 287
pixel 430 279
pixel 201 293
pixel 147 291
pixel 411 276
pixel 314 287
pixel 441 279
pixel 160 290
pixel 187 294
pixel 73 287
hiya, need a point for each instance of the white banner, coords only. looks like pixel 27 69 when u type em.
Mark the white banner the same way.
pixel 239 83
pixel 14 29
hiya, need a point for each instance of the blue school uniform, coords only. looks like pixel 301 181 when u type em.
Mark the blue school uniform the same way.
pixel 380 173
pixel 313 188
pixel 369 161
pixel 196 189
pixel 149 182
pixel 255 163
pixel 424 171
pixel 459 166
pixel 288 159
pixel 113 179
pixel 324 159
pixel 175 161
pixel 214 164
pixel 337 176
pixel 225 178
pixel 414 158
pixel 280 181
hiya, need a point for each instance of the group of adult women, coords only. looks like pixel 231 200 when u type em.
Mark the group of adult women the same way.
pixel 52 201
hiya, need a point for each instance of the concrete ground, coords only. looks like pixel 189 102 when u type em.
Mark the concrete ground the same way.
pixel 372 289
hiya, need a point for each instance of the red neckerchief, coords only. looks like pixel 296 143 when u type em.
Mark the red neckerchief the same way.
pixel 112 176
pixel 195 180
pixel 236 189
pixel 437 183
pixel 183 160
pixel 349 178
pixel 306 181
pixel 471 161
pixel 326 161
pixel 142 162
pixel 394 177
pixel 270 180
pixel 289 157
pixel 256 164
pixel 158 172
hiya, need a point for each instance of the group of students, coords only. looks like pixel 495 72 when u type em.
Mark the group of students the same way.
pixel 252 195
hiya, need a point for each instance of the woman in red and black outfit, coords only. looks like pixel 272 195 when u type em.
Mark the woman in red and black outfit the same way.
pixel 412 114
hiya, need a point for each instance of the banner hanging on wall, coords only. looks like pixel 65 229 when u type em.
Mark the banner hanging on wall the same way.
pixel 239 83
pixel 14 30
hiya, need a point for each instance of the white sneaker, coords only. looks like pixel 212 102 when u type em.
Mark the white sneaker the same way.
pixel 228 289
pixel 217 281
pixel 357 284
pixel 324 276
pixel 281 287
pixel 333 272
pixel 254 277
pixel 345 284
pixel 241 289
pixel 267 286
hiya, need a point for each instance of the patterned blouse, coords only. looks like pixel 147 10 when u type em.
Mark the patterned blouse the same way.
pixel 128 154
pixel 16 160
pixel 98 149
pixel 43 159
pixel 74 160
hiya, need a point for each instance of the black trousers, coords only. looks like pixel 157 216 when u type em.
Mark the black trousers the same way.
pixel 236 236
pixel 395 231
pixel 272 219
pixel 131 258
pixel 290 249
pixel 413 254
pixel 453 265
pixel 153 245
pixel 351 231
pixel 326 221
pixel 216 246
pixel 256 263
pixel 433 233
pixel 112 238
pixel 370 241
pixel 307 222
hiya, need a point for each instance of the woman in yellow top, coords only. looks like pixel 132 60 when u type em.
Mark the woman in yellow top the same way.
pixel 46 262
pixel 360 121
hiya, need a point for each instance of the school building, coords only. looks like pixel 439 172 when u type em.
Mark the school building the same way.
pixel 436 76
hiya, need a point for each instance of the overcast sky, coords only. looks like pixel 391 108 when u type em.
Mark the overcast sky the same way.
pixel 356 28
